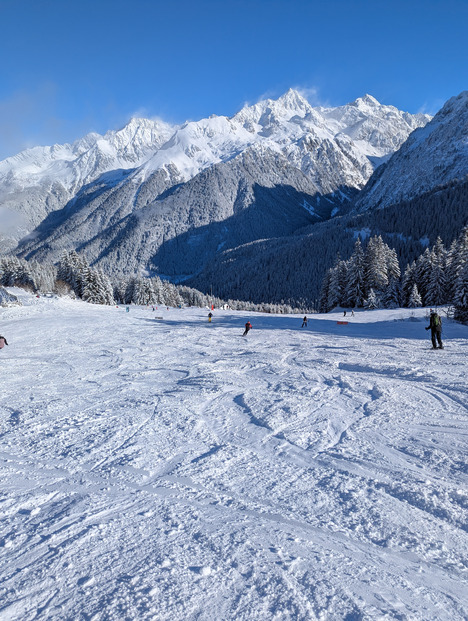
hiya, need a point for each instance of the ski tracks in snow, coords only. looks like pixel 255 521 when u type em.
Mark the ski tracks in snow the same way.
pixel 186 473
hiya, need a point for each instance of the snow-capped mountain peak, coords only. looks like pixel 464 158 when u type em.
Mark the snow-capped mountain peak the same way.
pixel 366 101
pixel 432 155
pixel 294 101
pixel 270 111
pixel 335 148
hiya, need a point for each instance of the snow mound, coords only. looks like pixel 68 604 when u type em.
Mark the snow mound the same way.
pixel 8 299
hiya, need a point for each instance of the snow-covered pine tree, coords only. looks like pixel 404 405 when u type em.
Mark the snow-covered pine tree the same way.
pixel 96 288
pixel 107 290
pixel 11 269
pixel 129 290
pixel 337 284
pixel 460 298
pixel 408 280
pixel 458 252
pixel 342 281
pixel 437 284
pixel 414 300
pixel 393 265
pixel 80 272
pixel 65 270
pixel 422 273
pixel 461 293
pixel 372 300
pixel 355 288
pixel 91 288
pixel 171 296
pixel 7 299
pixel 324 293
pixel 158 290
pixel 391 297
pixel 118 290
pixel 44 275
pixel 375 265
pixel 25 277
pixel 143 293
pixel 451 270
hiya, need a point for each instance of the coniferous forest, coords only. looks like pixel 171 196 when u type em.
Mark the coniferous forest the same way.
pixel 74 277
pixel 371 278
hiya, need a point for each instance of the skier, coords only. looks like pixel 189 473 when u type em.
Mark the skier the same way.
pixel 3 342
pixel 304 322
pixel 248 326
pixel 435 326
pixel 210 315
pixel 352 312
pixel 344 313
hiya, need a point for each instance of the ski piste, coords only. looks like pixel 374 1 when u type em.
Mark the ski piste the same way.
pixel 167 470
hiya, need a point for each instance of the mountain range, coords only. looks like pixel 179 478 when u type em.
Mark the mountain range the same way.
pixel 200 201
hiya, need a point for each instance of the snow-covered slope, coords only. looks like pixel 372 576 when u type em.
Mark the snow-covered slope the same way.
pixel 432 155
pixel 335 148
pixel 173 470
pixel 175 231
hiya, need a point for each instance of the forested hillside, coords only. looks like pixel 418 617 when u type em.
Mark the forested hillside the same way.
pixel 293 268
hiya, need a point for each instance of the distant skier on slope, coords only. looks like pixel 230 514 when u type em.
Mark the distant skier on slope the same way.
pixel 210 315
pixel 435 326
pixel 304 322
pixel 3 342
pixel 248 326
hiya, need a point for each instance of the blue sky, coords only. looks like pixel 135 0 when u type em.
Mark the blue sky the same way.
pixel 68 67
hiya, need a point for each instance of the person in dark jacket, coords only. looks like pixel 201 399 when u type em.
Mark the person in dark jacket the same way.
pixel 210 315
pixel 304 322
pixel 3 342
pixel 248 326
pixel 435 326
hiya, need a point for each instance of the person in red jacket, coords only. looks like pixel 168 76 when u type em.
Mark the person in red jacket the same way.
pixel 248 326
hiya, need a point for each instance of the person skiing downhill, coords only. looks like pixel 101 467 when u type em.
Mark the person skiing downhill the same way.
pixel 248 326
pixel 3 342
pixel 435 326
pixel 210 315
pixel 304 322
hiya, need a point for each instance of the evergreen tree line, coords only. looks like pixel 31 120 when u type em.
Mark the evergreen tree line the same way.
pixel 15 272
pixel 74 276
pixel 371 278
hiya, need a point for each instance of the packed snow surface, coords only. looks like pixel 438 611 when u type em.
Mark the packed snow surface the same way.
pixel 156 466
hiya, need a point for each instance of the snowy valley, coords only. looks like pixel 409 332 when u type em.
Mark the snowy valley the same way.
pixel 156 466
